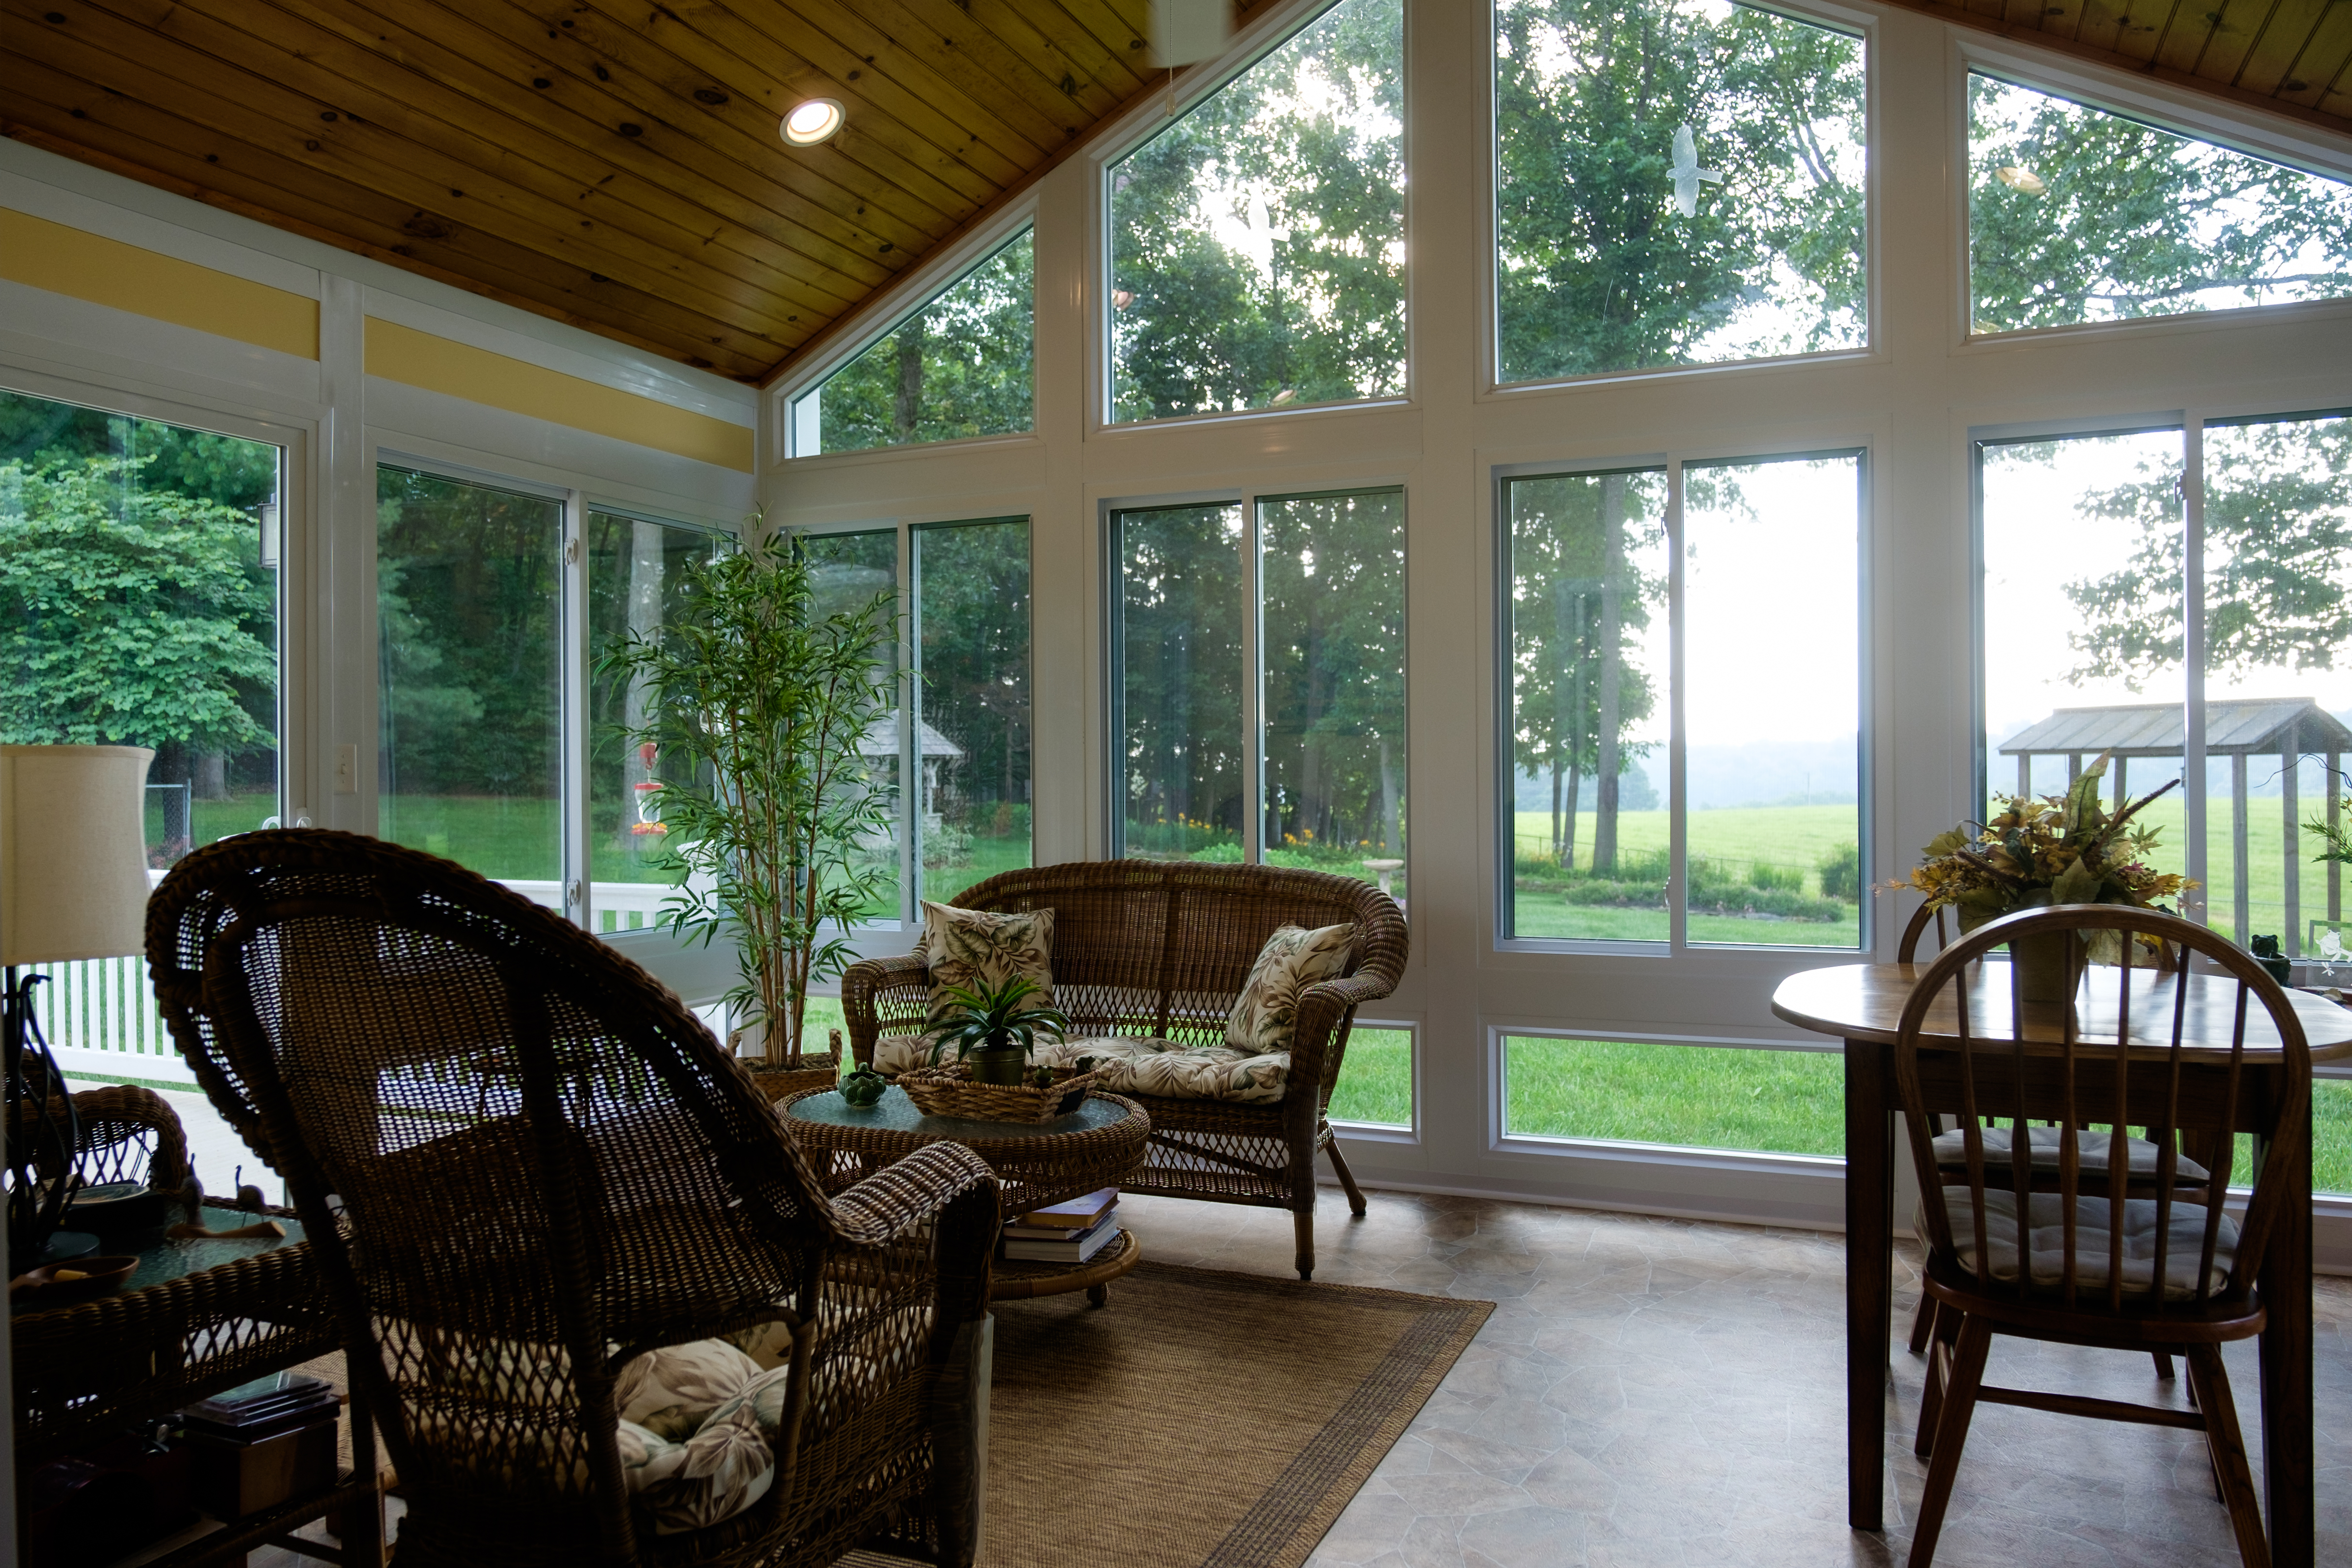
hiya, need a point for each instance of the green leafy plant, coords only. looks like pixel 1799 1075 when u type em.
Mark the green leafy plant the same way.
pixel 865 1086
pixel 982 1017
pixel 756 705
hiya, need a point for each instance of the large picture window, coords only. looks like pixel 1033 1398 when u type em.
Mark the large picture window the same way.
pixel 2077 215
pixel 1257 244
pixel 960 365
pixel 1260 683
pixel 1769 826
pixel 1678 183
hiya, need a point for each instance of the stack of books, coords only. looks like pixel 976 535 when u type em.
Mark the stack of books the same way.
pixel 1069 1232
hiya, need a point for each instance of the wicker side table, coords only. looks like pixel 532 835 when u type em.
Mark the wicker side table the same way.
pixel 1099 1144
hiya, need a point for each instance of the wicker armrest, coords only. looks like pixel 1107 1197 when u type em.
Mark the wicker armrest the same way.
pixel 1314 1058
pixel 110 1117
pixel 943 1182
pixel 865 985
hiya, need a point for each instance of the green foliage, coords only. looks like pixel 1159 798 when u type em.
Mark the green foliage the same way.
pixel 2278 532
pixel 129 615
pixel 960 365
pixel 2077 215
pixel 972 586
pixel 758 704
pixel 1257 243
pixel 1597 269
pixel 1841 873
pixel 985 1017
pixel 1766 877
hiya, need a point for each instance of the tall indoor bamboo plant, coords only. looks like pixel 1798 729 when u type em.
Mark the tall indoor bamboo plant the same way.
pixel 757 705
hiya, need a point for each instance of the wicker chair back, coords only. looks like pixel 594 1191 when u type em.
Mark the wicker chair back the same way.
pixel 541 1163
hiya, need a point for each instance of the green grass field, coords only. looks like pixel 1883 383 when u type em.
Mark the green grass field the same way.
pixel 1795 837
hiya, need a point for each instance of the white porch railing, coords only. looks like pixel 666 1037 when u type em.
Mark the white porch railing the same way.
pixel 100 1014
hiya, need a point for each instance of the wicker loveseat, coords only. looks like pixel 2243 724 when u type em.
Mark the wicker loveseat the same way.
pixel 1160 950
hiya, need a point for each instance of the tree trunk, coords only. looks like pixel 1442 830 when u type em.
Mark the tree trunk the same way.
pixel 212 776
pixel 1613 567
pixel 1392 821
pixel 1555 807
pixel 1568 843
pixel 906 409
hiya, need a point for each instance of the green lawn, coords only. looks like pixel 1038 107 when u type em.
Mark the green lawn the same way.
pixel 1793 838
pixel 1376 1080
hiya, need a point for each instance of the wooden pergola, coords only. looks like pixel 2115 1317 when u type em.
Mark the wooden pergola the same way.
pixel 2287 728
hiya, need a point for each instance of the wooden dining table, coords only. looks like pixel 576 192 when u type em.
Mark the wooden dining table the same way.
pixel 1862 1004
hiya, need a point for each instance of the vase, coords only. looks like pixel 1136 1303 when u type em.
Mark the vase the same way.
pixel 1008 1066
pixel 2042 963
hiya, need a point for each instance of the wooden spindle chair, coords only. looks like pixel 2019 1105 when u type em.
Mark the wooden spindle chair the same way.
pixel 2042 1147
pixel 2100 1265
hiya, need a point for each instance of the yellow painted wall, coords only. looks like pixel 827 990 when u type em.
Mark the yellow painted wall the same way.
pixel 441 364
pixel 64 260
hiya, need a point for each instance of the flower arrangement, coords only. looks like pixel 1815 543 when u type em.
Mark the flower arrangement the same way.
pixel 2045 850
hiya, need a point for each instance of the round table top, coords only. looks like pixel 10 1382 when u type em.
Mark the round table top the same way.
pixel 1864 1002
pixel 894 1112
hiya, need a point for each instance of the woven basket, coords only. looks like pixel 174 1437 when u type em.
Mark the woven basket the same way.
pixel 950 1091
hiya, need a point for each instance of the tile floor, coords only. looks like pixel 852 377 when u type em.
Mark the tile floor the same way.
pixel 1669 1392
pixel 1656 1392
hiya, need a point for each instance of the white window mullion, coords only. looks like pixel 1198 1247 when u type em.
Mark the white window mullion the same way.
pixel 1252 692
pixel 2197 901
pixel 577 901
pixel 1677 825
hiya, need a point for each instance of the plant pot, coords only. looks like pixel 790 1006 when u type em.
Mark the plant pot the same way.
pixel 1009 1066
pixel 2042 963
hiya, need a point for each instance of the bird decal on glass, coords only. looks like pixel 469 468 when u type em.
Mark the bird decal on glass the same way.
pixel 1687 173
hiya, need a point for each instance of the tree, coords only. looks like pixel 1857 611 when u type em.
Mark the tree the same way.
pixel 1586 579
pixel 2278 542
pixel 1257 243
pixel 133 616
pixel 1597 268
pixel 960 365
pixel 2077 215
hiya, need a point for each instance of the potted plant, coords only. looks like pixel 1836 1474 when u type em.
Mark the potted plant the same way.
pixel 2046 850
pixel 993 1030
pixel 756 704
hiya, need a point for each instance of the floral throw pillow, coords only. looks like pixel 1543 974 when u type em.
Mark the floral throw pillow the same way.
pixel 973 950
pixel 1267 1009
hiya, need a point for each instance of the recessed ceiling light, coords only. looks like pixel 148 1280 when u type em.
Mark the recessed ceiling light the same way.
pixel 811 122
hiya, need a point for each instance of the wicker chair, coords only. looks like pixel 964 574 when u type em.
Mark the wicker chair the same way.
pixel 1162 949
pixel 521 1163
pixel 128 1134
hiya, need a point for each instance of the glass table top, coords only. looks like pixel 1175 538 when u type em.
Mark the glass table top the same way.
pixel 894 1112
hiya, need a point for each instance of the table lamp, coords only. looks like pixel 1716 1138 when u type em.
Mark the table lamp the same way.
pixel 73 885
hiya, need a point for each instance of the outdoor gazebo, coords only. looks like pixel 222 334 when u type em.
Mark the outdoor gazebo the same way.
pixel 2282 728
pixel 932 752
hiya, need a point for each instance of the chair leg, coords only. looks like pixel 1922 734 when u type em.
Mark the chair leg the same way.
pixel 1923 1323
pixel 1943 1330
pixel 1951 1434
pixel 2163 1364
pixel 1302 1223
pixel 1347 1180
pixel 2211 1380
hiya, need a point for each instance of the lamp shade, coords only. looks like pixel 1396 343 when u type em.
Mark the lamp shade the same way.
pixel 73 853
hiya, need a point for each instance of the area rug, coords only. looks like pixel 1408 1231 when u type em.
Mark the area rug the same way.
pixel 1203 1420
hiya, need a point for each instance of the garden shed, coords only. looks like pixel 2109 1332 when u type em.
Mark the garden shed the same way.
pixel 2281 729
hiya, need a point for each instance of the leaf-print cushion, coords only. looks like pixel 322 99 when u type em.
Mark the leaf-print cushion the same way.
pixel 973 950
pixel 694 1447
pixel 1129 1065
pixel 1266 1011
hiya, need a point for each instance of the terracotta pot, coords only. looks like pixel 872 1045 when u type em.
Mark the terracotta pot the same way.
pixel 1008 1066
pixel 2042 963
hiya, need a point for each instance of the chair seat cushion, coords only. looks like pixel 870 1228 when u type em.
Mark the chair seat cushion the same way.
pixel 2043 1149
pixel 2046 1243
pixel 1127 1064
pixel 697 1421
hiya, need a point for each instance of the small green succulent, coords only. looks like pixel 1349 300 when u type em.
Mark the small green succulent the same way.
pixel 862 1087
pixel 979 1019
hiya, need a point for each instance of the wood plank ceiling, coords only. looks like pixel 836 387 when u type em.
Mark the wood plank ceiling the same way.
pixel 615 163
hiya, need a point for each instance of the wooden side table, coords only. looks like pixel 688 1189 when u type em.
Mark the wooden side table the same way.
pixel 199 1316
pixel 1099 1144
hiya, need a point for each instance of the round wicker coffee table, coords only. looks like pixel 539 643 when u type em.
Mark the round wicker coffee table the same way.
pixel 1038 1163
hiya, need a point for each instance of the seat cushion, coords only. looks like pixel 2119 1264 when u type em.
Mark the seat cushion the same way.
pixel 2041 1147
pixel 1129 1065
pixel 973 950
pixel 2046 1244
pixel 695 1447
pixel 1266 1012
